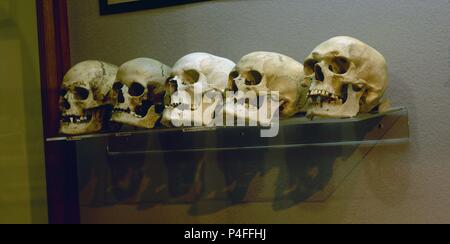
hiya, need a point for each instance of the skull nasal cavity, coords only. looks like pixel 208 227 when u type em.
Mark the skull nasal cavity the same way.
pixel 234 87
pixel 319 73
pixel 253 78
pixel 120 98
pixel 66 104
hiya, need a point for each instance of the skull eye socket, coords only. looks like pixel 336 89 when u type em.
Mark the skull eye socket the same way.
pixel 171 81
pixel 309 66
pixel 191 77
pixel 234 75
pixel 63 92
pixel 254 78
pixel 136 90
pixel 171 85
pixel 117 86
pixel 81 93
pixel 232 81
pixel 340 65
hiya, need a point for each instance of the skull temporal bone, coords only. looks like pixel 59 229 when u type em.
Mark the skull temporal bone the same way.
pixel 85 97
pixel 266 72
pixel 347 77
pixel 139 92
pixel 194 77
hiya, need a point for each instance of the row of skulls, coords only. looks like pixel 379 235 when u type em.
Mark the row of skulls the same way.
pixel 341 78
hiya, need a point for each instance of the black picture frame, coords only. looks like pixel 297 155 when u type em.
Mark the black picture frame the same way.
pixel 135 5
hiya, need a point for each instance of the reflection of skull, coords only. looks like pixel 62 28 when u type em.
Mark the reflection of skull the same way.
pixel 194 77
pixel 139 92
pixel 85 94
pixel 348 77
pixel 266 72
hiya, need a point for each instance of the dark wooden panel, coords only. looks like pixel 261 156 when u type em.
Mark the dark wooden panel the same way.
pixel 61 170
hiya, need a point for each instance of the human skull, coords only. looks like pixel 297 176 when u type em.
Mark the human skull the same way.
pixel 347 77
pixel 196 89
pixel 138 92
pixel 85 97
pixel 262 73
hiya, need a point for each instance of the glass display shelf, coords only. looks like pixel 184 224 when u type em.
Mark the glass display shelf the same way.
pixel 213 168
pixel 294 132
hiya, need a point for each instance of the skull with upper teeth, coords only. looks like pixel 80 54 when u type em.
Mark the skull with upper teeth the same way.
pixel 347 77
pixel 195 90
pixel 138 92
pixel 84 100
pixel 262 74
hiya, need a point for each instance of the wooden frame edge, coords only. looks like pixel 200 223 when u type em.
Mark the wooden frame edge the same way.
pixel 60 158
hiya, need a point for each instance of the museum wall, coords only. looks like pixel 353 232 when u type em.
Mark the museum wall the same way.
pixel 407 183
pixel 22 171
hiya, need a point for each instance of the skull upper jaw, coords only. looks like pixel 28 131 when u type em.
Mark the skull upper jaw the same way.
pixel 94 122
pixel 349 108
pixel 149 121
pixel 194 105
pixel 174 117
pixel 202 115
pixel 241 113
pixel 252 114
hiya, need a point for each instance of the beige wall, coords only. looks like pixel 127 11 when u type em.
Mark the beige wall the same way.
pixel 22 174
pixel 394 184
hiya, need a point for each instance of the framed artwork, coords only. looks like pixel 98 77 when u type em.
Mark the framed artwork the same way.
pixel 121 6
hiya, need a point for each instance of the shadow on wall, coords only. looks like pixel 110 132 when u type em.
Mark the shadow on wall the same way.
pixel 210 182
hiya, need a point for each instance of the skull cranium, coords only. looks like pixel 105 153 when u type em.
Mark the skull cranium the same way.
pixel 347 77
pixel 85 97
pixel 138 92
